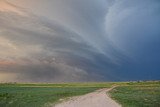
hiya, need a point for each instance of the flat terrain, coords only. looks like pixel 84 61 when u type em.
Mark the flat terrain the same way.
pixel 40 95
pixel 138 94
pixel 127 94
pixel 98 98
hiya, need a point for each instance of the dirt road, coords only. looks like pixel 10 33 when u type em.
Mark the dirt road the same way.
pixel 98 98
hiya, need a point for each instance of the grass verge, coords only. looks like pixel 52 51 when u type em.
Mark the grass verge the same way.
pixel 138 94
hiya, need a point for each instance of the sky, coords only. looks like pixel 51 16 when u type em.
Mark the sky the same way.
pixel 79 40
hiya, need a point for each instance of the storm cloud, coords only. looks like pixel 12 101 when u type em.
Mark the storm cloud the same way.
pixel 79 40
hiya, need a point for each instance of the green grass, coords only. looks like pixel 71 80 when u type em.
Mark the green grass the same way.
pixel 129 94
pixel 138 94
pixel 39 95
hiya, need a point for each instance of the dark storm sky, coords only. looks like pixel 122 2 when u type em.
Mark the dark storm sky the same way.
pixel 79 40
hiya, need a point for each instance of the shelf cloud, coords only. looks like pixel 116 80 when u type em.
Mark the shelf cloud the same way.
pixel 79 40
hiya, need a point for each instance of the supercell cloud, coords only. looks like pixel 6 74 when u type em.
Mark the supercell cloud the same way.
pixel 79 40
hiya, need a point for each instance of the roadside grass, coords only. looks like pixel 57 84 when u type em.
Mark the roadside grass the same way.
pixel 128 94
pixel 137 94
pixel 40 95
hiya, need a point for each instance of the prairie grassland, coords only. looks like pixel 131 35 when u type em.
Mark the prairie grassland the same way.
pixel 129 94
pixel 138 94
pixel 39 95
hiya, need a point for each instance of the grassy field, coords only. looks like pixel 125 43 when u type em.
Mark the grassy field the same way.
pixel 137 94
pixel 40 95
pixel 129 94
